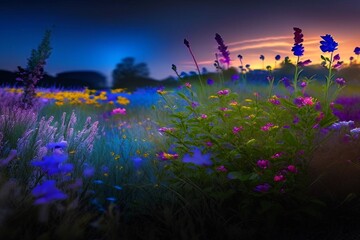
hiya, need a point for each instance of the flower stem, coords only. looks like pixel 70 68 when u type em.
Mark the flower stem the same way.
pixel 296 75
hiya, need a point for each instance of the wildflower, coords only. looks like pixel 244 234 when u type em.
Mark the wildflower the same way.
pixel 279 178
pixel 47 193
pixel 342 124
pixel 236 130
pixel 111 199
pixel 223 49
pixel 267 127
pixel 54 164
pixel 223 92
pixel 121 111
pixel 336 57
pixel 277 57
pixel 194 104
pixel 89 172
pixel 247 66
pixel 303 84
pixel 276 155
pixel 188 85
pixel 167 156
pixel 209 144
pixel 98 182
pixel 357 50
pixel 262 58
pixel 304 63
pixel 221 168
pixel 264 164
pixel 166 130
pixel 137 162
pixel 340 81
pixel 304 101
pixel 210 81
pixel 292 168
pixel 203 116
pixel 198 158
pixel 355 132
pixel 233 103
pixel 118 187
pixel 262 187
pixel 298 50
pixel 298 36
pixel 328 44
pixel 274 100
pixel 338 64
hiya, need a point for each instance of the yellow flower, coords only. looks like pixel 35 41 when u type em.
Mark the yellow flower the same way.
pixel 59 103
pixel 213 96
pixel 245 108
pixel 248 100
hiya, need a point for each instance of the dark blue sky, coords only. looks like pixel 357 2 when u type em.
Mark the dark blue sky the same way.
pixel 96 35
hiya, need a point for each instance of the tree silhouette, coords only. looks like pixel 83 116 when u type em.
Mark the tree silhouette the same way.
pixel 127 70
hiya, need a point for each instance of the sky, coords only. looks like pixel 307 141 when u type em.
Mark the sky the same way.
pixel 97 35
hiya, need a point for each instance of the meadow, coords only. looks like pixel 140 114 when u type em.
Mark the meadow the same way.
pixel 214 158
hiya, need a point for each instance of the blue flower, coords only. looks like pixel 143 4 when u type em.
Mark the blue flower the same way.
pixel 357 50
pixel 198 158
pixel 328 44
pixel 118 187
pixel 277 57
pixel 98 181
pixel 54 164
pixel 262 187
pixel 298 50
pixel 210 81
pixel 47 193
pixel 111 199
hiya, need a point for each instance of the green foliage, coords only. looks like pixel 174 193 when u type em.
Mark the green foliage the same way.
pixel 43 52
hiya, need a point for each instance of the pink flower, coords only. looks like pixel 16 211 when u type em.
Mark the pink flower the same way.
pixel 188 85
pixel 166 129
pixel 223 92
pixel 276 155
pixel 121 111
pixel 292 168
pixel 279 178
pixel 221 168
pixel 203 116
pixel 263 164
pixel 309 101
pixel 209 144
pixel 237 129
pixel 267 127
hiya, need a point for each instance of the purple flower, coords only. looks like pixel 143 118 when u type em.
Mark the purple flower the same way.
pixel 198 158
pixel 298 50
pixel 247 66
pixel 303 84
pixel 277 57
pixel 357 50
pixel 328 44
pixel 264 164
pixel 340 81
pixel 262 187
pixel 223 49
pixel 336 57
pixel 47 193
pixel 194 104
pixel 304 63
pixel 298 36
pixel 341 124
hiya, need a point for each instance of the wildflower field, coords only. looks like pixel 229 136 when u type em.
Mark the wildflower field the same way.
pixel 214 158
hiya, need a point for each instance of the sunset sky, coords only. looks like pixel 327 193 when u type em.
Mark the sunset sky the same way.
pixel 96 35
